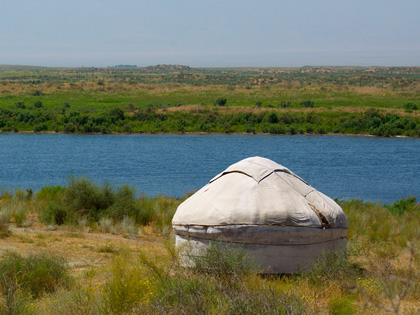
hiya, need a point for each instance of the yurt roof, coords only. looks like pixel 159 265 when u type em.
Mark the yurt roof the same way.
pixel 258 191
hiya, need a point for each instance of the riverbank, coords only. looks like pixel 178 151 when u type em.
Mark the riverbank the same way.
pixel 213 120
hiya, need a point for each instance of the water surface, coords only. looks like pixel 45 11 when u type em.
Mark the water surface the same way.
pixel 368 168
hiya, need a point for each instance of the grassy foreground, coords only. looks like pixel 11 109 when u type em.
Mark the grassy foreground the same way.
pixel 89 249
pixel 382 101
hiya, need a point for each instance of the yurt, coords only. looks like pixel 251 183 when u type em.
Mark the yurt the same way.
pixel 279 219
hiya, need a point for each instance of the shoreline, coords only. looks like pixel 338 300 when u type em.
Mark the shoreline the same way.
pixel 200 134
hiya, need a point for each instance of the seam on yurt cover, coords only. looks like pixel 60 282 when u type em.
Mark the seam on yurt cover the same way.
pixel 211 204
pixel 292 174
pixel 229 172
pixel 262 243
pixel 304 196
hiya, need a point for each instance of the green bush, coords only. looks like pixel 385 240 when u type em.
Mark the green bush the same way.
pixel 220 101
pixel 38 104
pixel 35 274
pixel 401 206
pixel 83 199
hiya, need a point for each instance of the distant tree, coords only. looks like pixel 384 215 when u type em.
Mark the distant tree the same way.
pixel 117 113
pixel 38 104
pixel 220 101
pixel 272 118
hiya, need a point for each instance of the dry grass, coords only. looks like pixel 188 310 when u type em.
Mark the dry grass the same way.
pixel 114 274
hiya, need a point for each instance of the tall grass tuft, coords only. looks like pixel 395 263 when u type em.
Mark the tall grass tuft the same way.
pixel 223 261
pixel 333 267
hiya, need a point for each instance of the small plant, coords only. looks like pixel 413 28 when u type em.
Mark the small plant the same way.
pixel 35 274
pixel 106 224
pixel 128 227
pixel 341 305
pixel 4 228
pixel 19 215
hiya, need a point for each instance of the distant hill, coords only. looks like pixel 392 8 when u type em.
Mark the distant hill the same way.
pixel 22 68
pixel 176 69
pixel 168 68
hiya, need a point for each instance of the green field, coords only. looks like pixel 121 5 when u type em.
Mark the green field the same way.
pixel 381 101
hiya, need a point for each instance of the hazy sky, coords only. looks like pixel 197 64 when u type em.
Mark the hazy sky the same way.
pixel 210 33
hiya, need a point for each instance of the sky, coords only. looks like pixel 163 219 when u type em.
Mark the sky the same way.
pixel 212 33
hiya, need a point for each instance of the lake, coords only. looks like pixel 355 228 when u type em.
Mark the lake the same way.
pixel 368 168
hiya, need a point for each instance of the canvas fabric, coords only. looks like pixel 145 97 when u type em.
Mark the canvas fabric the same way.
pixel 258 191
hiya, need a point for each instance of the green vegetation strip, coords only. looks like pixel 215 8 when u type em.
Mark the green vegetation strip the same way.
pixel 177 99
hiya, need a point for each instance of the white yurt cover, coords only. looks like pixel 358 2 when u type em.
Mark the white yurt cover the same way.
pixel 283 222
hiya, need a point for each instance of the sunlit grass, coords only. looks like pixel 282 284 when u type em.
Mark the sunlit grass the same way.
pixel 112 272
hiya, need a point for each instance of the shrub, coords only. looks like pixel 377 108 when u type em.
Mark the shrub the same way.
pixel 121 204
pixel 307 104
pixel 220 101
pixel 19 215
pixel 35 274
pixel 83 198
pixel 106 224
pixel 402 205
pixel 38 104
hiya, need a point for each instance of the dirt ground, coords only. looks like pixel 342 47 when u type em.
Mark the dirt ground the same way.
pixel 82 249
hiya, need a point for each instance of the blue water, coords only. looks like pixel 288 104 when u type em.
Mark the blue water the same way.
pixel 368 168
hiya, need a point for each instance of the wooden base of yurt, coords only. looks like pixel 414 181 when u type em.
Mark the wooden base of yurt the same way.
pixel 274 259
